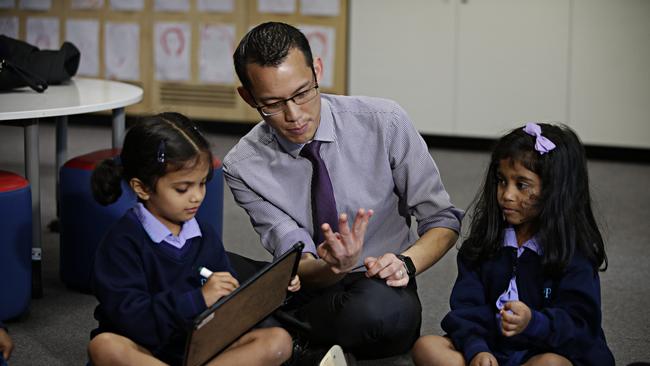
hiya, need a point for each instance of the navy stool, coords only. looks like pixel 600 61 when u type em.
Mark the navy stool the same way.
pixel 211 210
pixel 16 244
pixel 83 222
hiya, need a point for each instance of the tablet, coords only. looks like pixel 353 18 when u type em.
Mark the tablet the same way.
pixel 233 315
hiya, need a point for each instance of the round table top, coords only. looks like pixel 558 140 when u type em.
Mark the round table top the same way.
pixel 80 95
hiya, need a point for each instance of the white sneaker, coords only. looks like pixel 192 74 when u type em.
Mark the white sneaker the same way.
pixel 334 357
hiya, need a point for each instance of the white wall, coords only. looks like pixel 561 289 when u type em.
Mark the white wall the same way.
pixel 478 68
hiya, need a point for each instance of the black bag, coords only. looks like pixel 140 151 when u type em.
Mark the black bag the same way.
pixel 22 64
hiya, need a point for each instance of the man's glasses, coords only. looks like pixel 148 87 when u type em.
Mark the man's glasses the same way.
pixel 303 97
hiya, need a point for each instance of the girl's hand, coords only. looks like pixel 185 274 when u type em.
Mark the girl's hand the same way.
pixel 218 285
pixel 484 359
pixel 389 268
pixel 294 285
pixel 515 317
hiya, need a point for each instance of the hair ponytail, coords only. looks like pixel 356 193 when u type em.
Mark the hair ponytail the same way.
pixel 106 182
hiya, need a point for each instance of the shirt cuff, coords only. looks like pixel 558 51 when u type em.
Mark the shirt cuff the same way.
pixel 449 218
pixel 291 238
pixel 539 326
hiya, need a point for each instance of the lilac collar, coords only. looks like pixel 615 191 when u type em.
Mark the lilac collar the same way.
pixel 510 240
pixel 158 232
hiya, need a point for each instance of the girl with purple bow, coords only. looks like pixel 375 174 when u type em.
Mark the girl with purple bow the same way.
pixel 528 290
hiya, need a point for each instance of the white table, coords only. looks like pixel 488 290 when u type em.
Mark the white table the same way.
pixel 23 107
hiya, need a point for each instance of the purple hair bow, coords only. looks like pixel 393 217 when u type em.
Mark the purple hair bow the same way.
pixel 542 144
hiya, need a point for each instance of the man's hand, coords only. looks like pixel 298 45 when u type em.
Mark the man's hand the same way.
pixel 387 267
pixel 515 317
pixel 219 284
pixel 6 344
pixel 341 250
pixel 484 359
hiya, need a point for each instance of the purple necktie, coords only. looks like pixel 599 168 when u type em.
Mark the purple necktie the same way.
pixel 322 195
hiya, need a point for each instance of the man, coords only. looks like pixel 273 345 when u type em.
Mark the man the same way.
pixel 359 282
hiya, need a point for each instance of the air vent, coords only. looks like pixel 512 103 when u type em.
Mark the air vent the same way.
pixel 198 95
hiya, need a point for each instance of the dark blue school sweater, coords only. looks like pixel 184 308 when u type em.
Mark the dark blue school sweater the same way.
pixel 150 292
pixel 566 315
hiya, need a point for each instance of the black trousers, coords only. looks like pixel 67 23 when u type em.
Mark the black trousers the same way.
pixel 363 315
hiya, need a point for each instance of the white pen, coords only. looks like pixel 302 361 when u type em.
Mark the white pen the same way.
pixel 204 272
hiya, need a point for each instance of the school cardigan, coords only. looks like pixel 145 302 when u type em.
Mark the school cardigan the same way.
pixel 566 313
pixel 151 292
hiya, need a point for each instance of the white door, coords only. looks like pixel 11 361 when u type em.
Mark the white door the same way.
pixel 404 50
pixel 610 84
pixel 512 64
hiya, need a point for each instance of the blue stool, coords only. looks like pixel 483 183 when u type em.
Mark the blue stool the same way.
pixel 83 221
pixel 16 244
pixel 211 210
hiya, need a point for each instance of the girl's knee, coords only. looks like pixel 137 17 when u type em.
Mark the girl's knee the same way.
pixel 548 359
pixel 435 350
pixel 105 348
pixel 278 344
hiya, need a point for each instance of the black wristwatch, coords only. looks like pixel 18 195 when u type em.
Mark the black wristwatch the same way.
pixel 408 264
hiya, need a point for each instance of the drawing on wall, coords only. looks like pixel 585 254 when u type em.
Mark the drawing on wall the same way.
pixel 127 5
pixel 43 5
pixel 85 35
pixel 87 4
pixel 9 26
pixel 276 6
pixel 322 42
pixel 215 55
pixel 217 6
pixel 320 7
pixel 7 4
pixel 172 5
pixel 122 51
pixel 43 33
pixel 172 51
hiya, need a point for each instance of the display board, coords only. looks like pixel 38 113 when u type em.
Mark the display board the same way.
pixel 178 51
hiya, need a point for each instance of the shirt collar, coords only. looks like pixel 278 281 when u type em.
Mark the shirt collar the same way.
pixel 158 232
pixel 510 240
pixel 324 132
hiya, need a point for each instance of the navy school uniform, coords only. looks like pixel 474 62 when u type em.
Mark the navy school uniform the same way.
pixel 151 292
pixel 566 312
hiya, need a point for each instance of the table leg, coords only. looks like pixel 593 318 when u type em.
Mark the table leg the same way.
pixel 32 160
pixel 118 127
pixel 61 153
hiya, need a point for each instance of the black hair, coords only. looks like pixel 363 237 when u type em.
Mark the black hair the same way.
pixel 153 147
pixel 268 44
pixel 566 222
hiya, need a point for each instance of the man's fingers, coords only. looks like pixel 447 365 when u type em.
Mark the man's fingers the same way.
pixel 344 227
pixel 361 222
pixel 398 283
pixel 394 271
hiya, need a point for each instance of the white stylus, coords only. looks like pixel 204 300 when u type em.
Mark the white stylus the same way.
pixel 204 272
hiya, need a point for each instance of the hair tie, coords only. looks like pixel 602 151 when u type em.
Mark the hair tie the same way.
pixel 542 144
pixel 161 151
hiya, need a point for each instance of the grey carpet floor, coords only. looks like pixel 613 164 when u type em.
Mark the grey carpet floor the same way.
pixel 55 329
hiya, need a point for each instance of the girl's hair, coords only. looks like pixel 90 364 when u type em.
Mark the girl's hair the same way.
pixel 152 148
pixel 565 223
